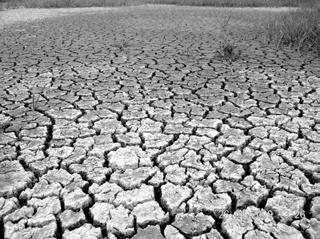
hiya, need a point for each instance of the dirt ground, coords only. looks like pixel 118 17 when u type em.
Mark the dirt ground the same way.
pixel 127 123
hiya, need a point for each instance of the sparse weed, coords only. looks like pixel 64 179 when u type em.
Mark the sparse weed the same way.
pixel 35 94
pixel 3 126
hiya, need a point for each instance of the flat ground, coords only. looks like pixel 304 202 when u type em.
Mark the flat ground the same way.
pixel 125 123
pixel 11 16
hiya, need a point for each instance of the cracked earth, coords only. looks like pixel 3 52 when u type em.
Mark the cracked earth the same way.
pixel 125 125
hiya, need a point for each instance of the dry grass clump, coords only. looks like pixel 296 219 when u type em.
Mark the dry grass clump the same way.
pixel 227 47
pixel 299 28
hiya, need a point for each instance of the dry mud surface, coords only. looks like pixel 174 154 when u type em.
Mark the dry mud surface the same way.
pixel 125 124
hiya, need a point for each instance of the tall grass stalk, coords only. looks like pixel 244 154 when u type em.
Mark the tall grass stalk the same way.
pixel 299 28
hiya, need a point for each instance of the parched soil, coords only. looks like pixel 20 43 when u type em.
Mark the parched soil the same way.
pixel 126 124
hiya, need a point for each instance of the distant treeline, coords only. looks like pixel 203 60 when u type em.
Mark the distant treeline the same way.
pixel 108 3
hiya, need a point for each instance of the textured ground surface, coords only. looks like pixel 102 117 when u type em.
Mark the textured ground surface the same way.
pixel 126 125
